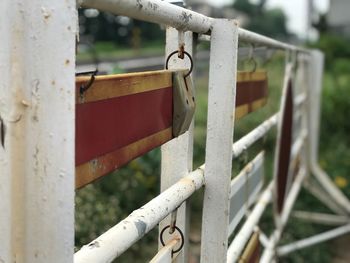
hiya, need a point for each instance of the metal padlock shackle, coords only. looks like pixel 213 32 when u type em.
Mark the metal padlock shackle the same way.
pixel 187 54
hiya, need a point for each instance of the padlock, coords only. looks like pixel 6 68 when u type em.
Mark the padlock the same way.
pixel 183 102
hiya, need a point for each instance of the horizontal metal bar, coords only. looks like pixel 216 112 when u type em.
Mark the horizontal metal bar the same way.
pixel 165 253
pixel 239 242
pixel 286 249
pixel 119 238
pixel 251 37
pixel 245 142
pixel 321 218
pixel 155 11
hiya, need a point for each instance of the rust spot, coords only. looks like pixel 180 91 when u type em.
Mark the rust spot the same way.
pixel 45 13
pixel 25 103
pixel 152 6
pixel 2 133
pixel 94 244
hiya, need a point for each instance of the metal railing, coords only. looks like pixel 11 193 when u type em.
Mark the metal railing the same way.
pixel 37 108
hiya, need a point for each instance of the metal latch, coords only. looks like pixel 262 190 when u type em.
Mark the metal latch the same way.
pixel 183 102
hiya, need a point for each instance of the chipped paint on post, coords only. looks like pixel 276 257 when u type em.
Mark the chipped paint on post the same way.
pixel 218 158
pixel 38 37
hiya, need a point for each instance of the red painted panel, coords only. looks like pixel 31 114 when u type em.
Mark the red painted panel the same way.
pixel 107 125
pixel 249 91
pixel 285 146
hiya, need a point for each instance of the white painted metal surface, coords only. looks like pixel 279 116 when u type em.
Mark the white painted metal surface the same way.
pixel 119 238
pixel 245 188
pixel 164 255
pixel 315 74
pixel 155 11
pixel 221 103
pixel 37 108
pixel 259 132
pixel 238 244
pixel 177 154
pixel 251 37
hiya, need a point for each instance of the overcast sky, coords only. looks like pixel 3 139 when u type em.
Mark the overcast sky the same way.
pixel 294 9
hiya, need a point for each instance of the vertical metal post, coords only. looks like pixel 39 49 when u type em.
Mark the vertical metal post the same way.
pixel 315 74
pixel 37 110
pixel 177 154
pixel 218 164
pixel 316 62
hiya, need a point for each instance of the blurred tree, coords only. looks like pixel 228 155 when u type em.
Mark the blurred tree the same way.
pixel 103 26
pixel 270 22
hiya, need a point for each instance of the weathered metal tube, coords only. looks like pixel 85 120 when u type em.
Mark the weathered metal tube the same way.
pixel 245 142
pixel 155 11
pixel 119 238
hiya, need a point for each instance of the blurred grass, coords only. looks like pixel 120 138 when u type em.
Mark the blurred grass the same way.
pixel 111 51
pixel 101 205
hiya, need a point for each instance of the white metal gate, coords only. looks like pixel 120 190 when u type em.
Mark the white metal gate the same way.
pixel 37 112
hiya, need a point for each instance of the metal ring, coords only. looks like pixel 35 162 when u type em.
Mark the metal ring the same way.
pixel 182 238
pixel 175 52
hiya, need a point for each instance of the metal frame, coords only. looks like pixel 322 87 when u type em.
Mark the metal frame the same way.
pixel 37 109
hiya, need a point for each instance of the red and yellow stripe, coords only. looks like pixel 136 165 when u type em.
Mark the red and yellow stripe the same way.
pixel 121 117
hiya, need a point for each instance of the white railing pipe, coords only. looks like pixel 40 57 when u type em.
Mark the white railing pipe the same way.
pixel 246 141
pixel 251 37
pixel 119 238
pixel 155 11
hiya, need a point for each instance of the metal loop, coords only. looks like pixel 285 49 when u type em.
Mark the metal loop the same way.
pixel 182 238
pixel 251 58
pixel 187 54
